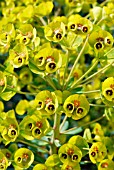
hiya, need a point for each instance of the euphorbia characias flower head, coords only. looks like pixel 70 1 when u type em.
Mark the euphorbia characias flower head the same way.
pixel 23 157
pixel 76 106
pixel 69 153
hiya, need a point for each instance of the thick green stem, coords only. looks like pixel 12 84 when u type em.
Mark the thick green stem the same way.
pixel 77 59
pixel 56 132
pixel 65 71
pixel 84 75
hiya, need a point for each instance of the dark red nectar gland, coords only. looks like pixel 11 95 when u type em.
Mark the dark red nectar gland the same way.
pixel 2 82
pixel 48 100
pixel 100 39
pixel 112 86
pixel 76 103
pixel 8 155
pixel 39 124
pixel 104 165
pixel 68 167
pixel 49 59
pixel 70 151
pixel 25 157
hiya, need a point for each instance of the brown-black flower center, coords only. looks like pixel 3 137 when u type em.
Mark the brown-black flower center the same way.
pixel 19 159
pixel 73 26
pixel 80 110
pixel 52 65
pixel 40 59
pixel 64 155
pixel 108 41
pixel 85 29
pixel 24 39
pixel 51 107
pixel 39 104
pixel 8 154
pixel 19 60
pixel 109 92
pixel 69 106
pixel 13 132
pixel 98 45
pixel 30 125
pixel 1 166
pixel 37 131
pixel 93 154
pixel 75 157
pixel 58 36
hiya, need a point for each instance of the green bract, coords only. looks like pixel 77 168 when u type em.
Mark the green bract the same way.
pixel 34 127
pixel 3 161
pixel 18 56
pixel 46 102
pixel 44 8
pixel 79 25
pixel 97 152
pixel 57 84
pixel 69 166
pixel 23 158
pixel 76 106
pixel 80 142
pixel 9 127
pixel 55 31
pixel 47 60
pixel 41 167
pixel 108 90
pixel 101 41
pixel 3 82
pixel 69 153
pixel 106 164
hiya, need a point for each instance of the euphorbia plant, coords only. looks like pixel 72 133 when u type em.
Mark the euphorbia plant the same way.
pixel 56 84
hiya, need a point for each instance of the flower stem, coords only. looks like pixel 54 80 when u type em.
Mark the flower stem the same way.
pixel 77 59
pixel 86 124
pixel 50 82
pixel 63 122
pixel 86 73
pixel 87 92
pixel 32 145
pixel 99 71
pixel 97 105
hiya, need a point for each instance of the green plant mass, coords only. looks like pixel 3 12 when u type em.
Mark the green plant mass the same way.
pixel 57 84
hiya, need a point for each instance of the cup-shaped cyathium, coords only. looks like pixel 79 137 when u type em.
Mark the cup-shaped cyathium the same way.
pixel 76 106
pixel 23 158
